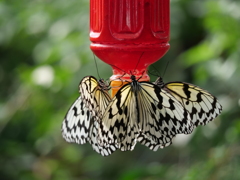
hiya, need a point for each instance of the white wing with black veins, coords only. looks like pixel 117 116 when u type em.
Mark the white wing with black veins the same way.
pixel 81 122
pixel 202 106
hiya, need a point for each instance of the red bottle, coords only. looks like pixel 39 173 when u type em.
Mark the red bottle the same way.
pixel 129 35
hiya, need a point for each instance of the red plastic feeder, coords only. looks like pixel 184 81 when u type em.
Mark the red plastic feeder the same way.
pixel 129 35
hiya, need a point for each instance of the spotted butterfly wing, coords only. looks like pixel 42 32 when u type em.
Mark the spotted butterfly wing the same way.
pixel 95 95
pixel 152 145
pixel 81 124
pixel 202 106
pixel 142 108
pixel 75 126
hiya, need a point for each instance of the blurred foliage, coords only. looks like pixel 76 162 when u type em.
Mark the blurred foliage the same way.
pixel 44 47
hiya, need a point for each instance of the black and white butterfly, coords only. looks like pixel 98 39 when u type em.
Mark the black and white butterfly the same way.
pixel 202 106
pixel 144 112
pixel 81 122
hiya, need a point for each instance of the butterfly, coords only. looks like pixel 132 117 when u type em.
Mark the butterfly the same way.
pixel 81 122
pixel 202 106
pixel 95 95
pixel 142 109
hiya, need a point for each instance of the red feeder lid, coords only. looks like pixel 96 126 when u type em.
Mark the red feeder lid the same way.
pixel 129 35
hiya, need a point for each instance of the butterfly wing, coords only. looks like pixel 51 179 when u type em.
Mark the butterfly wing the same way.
pixel 95 95
pixel 75 126
pixel 79 126
pixel 152 145
pixel 162 117
pixel 93 140
pixel 202 106
pixel 81 122
pixel 148 110
pixel 119 120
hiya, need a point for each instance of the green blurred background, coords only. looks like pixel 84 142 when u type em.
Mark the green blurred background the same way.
pixel 44 53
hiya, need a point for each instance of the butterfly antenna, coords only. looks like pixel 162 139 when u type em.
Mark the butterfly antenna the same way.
pixel 141 76
pixel 165 69
pixel 118 68
pixel 157 72
pixel 96 65
pixel 138 61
